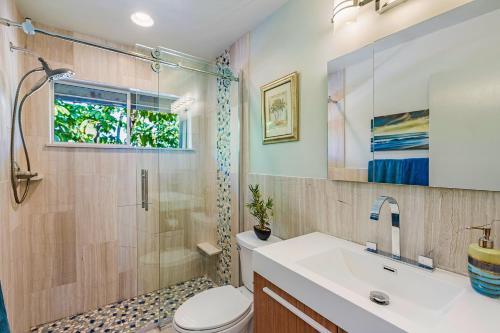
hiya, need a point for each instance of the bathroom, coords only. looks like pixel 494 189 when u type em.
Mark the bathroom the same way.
pixel 155 120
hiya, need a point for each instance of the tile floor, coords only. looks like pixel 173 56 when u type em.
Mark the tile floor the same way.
pixel 130 315
pixel 168 329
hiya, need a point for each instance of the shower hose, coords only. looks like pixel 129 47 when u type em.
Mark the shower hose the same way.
pixel 17 113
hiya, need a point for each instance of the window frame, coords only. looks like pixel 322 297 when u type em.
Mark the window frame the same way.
pixel 112 88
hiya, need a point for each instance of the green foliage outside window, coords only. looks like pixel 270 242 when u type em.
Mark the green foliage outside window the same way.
pixel 154 129
pixel 107 124
pixel 89 123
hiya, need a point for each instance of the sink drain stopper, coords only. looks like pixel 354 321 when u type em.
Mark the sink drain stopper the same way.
pixel 379 298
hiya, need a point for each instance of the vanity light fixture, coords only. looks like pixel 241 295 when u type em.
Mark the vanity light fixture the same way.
pixel 343 6
pixel 381 6
pixel 142 19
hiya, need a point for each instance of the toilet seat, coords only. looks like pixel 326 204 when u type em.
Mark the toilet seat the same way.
pixel 235 327
pixel 214 310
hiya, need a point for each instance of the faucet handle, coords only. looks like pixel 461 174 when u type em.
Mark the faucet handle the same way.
pixel 426 262
pixel 371 247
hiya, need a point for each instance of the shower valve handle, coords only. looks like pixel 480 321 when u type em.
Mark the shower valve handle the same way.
pixel 20 175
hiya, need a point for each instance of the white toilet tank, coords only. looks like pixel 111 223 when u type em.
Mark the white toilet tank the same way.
pixel 247 241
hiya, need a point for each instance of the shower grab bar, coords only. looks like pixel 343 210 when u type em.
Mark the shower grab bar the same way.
pixel 31 30
pixel 311 322
pixel 144 189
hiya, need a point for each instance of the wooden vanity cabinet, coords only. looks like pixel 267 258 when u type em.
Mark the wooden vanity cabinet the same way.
pixel 272 317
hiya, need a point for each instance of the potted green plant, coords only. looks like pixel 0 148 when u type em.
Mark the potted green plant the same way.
pixel 262 210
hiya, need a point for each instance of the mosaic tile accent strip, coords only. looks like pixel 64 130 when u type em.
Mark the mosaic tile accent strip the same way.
pixel 223 170
pixel 130 315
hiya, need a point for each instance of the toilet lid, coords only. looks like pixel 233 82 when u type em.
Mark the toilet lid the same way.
pixel 212 309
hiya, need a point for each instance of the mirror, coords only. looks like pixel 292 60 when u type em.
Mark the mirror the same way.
pixel 350 108
pixel 422 106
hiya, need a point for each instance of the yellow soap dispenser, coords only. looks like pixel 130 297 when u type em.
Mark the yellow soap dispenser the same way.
pixel 484 264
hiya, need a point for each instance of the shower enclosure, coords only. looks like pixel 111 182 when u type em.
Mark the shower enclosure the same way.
pixel 187 198
pixel 143 213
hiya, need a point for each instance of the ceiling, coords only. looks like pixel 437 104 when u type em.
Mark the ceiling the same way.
pixel 203 28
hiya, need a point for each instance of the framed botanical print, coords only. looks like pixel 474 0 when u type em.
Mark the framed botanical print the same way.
pixel 280 109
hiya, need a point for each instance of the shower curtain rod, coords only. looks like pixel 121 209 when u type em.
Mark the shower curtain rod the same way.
pixel 29 29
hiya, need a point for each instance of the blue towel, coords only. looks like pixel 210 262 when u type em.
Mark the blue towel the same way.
pixel 4 322
pixel 408 171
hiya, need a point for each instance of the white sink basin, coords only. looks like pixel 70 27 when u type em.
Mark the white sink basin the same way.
pixel 414 293
pixel 334 277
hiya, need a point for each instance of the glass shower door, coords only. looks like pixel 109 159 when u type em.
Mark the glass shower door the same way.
pixel 198 186
pixel 143 110
pixel 187 185
pixel 187 207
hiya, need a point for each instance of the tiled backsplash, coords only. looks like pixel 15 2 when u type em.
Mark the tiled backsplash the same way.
pixel 433 220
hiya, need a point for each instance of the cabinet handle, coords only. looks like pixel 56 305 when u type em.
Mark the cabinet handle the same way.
pixel 313 323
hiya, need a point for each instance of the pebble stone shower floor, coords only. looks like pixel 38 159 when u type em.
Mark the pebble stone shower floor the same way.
pixel 130 315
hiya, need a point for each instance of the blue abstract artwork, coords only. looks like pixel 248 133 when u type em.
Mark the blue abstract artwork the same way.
pixel 402 131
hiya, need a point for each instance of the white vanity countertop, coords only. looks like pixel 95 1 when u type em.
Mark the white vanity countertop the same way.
pixel 343 301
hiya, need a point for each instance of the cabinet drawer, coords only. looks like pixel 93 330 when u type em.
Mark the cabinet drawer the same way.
pixel 275 311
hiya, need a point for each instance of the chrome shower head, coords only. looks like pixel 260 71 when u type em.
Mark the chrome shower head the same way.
pixel 55 74
pixel 60 74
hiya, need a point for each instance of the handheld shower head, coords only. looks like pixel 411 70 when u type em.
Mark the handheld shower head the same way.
pixel 50 75
pixel 55 74
pixel 17 174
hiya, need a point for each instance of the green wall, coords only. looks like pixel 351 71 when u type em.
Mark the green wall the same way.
pixel 296 38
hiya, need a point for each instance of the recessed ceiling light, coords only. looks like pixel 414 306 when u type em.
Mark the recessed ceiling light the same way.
pixel 142 19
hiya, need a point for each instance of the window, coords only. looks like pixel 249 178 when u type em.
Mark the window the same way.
pixel 152 124
pixel 87 114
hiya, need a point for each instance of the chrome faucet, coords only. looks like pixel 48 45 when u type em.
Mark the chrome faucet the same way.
pixel 375 214
pixel 377 205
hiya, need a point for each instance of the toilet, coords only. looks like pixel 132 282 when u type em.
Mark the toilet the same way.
pixel 224 309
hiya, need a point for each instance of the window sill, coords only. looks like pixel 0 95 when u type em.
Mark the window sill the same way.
pixel 106 146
